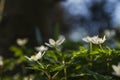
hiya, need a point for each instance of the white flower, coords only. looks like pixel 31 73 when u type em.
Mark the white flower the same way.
pixel 1 61
pixel 41 48
pixel 22 42
pixel 36 57
pixel 39 55
pixel 94 39
pixel 89 39
pixel 116 70
pixel 53 43
pixel 97 40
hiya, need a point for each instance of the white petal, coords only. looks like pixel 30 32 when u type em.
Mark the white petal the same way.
pixel 104 38
pixel 60 40
pixel 114 73
pixel 119 64
pixel 49 45
pixel 37 48
pixel 95 37
pixel 1 61
pixel 28 58
pixel 41 48
pixel 97 40
pixel 87 39
pixel 39 55
pixel 52 42
pixel 115 68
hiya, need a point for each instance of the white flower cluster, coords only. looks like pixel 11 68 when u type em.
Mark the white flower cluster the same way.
pixel 42 49
pixel 116 70
pixel 94 39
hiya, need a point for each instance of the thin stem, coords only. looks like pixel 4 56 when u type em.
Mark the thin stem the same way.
pixel 55 75
pixel 48 75
pixel 90 47
pixel 90 51
pixel 65 73
pixel 1 75
pixel 40 64
pixel 65 68
pixel 101 47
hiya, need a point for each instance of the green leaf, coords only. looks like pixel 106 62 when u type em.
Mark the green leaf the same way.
pixel 17 51
pixel 51 54
pixel 98 76
pixel 56 68
pixel 82 49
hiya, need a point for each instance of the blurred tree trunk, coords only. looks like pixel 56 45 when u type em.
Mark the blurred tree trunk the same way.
pixel 20 17
pixel 1 8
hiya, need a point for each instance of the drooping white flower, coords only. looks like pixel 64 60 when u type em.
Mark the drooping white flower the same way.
pixel 97 40
pixel 116 70
pixel 1 61
pixel 41 48
pixel 36 57
pixel 22 42
pixel 53 43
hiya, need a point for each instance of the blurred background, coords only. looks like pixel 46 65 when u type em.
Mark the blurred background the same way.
pixel 40 20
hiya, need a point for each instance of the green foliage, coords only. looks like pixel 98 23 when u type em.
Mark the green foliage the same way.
pixel 79 63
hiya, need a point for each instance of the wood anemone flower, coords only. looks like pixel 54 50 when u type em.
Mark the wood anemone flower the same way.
pixel 39 55
pixel 22 42
pixel 89 39
pixel 36 57
pixel 94 39
pixel 97 40
pixel 53 43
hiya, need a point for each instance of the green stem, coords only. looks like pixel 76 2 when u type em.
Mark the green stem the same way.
pixel 65 73
pixel 101 47
pixel 40 64
pixel 1 72
pixel 55 75
pixel 65 68
pixel 48 75
pixel 90 46
pixel 90 51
